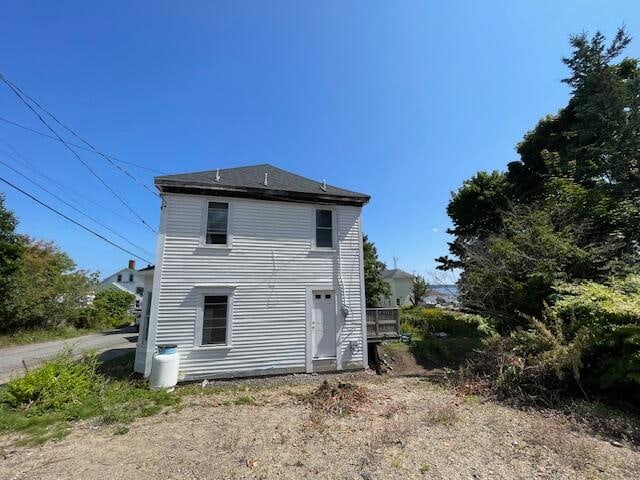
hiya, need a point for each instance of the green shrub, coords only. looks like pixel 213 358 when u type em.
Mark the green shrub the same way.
pixel 597 331
pixel 60 382
pixel 586 343
pixel 426 321
pixel 442 352
pixel 112 308
pixel 464 333
pixel 42 403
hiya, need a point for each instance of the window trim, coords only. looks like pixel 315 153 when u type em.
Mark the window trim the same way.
pixel 334 230
pixel 145 317
pixel 203 230
pixel 204 291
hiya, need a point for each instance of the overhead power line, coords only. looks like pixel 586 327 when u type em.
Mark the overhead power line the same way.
pixel 60 199
pixel 72 132
pixel 116 159
pixel 25 162
pixel 74 221
pixel 18 93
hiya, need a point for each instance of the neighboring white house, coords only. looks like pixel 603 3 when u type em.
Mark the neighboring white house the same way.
pixel 129 280
pixel 400 283
pixel 259 271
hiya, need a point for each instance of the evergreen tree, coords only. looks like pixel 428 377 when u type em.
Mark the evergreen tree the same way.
pixel 375 286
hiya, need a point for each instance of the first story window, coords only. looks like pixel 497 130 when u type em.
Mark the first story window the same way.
pixel 324 229
pixel 217 221
pixel 215 313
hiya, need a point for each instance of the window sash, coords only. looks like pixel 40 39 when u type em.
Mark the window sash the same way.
pixel 217 223
pixel 215 316
pixel 324 229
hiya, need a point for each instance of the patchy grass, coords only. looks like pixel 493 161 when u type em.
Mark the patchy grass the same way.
pixel 575 450
pixel 24 337
pixel 395 346
pixel 245 400
pixel 446 414
pixel 41 405
pixel 602 419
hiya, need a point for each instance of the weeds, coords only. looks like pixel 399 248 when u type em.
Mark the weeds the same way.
pixel 577 452
pixel 245 400
pixel 41 404
pixel 445 415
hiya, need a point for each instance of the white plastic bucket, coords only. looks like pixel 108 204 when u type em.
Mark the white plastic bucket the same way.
pixel 164 367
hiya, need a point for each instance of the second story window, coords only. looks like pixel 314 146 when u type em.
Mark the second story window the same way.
pixel 119 277
pixel 217 220
pixel 324 229
pixel 131 277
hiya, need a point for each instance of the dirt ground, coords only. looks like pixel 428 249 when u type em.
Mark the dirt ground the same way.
pixel 410 428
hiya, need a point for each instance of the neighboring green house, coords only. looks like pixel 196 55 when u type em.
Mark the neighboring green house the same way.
pixel 400 283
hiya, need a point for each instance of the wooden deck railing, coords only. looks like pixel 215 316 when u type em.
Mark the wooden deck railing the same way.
pixel 383 323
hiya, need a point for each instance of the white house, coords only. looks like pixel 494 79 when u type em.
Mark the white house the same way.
pixel 400 283
pixel 259 271
pixel 128 279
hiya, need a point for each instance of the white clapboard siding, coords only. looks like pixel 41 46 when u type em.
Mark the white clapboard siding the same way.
pixel 271 262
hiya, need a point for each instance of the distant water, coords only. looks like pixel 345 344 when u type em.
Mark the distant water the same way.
pixel 448 292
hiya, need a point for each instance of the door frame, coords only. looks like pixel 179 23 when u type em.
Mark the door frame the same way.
pixel 309 319
pixel 314 330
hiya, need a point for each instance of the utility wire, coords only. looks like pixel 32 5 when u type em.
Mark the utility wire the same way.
pixel 72 132
pixel 57 197
pixel 74 221
pixel 25 162
pixel 42 134
pixel 93 172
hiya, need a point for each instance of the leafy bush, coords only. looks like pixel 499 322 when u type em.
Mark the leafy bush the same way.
pixel 442 352
pixel 62 381
pixel 597 332
pixel 587 342
pixel 464 333
pixel 42 403
pixel 112 308
pixel 426 321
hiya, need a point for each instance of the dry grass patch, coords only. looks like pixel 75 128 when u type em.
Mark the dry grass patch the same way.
pixel 446 414
pixel 556 437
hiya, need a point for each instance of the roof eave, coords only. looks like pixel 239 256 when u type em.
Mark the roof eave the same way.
pixel 197 188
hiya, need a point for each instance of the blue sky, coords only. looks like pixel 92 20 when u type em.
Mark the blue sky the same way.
pixel 402 100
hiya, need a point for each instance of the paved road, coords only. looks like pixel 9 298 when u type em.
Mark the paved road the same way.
pixel 111 344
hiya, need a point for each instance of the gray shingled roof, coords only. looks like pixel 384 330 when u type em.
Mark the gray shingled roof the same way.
pixel 251 178
pixel 395 273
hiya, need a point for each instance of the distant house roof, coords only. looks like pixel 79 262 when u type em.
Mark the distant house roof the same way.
pixel 396 273
pixel 147 268
pixel 250 182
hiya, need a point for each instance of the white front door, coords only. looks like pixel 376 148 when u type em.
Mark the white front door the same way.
pixel 324 324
